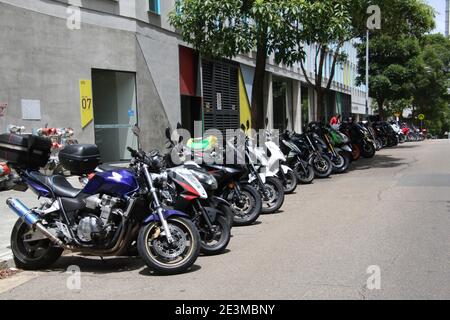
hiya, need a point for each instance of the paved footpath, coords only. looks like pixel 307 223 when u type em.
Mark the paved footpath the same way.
pixel 389 214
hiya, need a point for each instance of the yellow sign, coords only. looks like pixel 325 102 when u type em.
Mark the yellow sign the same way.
pixel 421 117
pixel 86 103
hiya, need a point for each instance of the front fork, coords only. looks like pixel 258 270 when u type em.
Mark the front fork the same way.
pixel 158 206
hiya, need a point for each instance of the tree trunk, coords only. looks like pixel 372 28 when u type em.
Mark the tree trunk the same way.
pixel 258 86
pixel 380 103
pixel 320 96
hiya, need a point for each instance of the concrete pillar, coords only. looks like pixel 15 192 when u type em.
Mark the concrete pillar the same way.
pixel 297 105
pixel 268 103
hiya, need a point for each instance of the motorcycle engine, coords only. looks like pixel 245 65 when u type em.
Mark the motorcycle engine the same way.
pixel 95 227
pixel 88 227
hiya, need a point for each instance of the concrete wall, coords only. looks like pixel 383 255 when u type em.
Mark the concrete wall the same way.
pixel 41 59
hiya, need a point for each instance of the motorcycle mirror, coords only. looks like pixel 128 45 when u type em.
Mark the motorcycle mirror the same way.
pixel 168 133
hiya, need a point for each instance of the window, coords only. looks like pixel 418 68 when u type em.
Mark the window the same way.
pixel 154 6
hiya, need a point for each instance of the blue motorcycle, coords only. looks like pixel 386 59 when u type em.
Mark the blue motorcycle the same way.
pixel 115 210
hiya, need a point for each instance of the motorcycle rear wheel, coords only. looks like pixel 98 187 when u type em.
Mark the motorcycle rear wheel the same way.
pixel 34 255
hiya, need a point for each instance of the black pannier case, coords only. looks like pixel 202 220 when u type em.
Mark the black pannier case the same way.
pixel 25 151
pixel 80 159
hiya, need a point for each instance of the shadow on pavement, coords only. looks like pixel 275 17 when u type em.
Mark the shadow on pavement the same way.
pixel 379 161
pixel 96 265
pixel 407 146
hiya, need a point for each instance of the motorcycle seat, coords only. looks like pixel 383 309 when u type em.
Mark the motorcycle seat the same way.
pixel 57 184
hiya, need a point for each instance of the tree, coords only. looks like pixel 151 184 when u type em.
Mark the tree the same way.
pixel 326 24
pixel 395 49
pixel 430 93
pixel 228 28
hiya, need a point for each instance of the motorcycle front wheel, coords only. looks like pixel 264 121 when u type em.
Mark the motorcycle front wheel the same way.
pixel 275 198
pixel 215 241
pixel 305 172
pixel 341 164
pixel 246 209
pixel 169 258
pixel 368 150
pixel 322 166
pixel 290 182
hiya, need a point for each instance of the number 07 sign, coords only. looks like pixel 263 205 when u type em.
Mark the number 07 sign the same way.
pixel 86 103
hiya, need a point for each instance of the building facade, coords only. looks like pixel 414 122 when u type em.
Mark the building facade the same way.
pixel 100 66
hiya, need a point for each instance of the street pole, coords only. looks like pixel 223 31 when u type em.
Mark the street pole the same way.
pixel 367 74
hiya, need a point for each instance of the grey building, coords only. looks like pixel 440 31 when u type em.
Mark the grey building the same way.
pixel 52 53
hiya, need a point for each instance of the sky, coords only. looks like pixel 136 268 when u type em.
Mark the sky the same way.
pixel 439 6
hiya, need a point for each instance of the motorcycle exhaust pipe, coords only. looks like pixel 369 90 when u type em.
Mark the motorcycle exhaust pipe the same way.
pixel 31 219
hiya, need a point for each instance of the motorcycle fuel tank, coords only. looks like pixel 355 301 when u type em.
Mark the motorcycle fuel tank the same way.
pixel 116 183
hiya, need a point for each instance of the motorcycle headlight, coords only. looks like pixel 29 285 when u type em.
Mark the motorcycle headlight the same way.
pixel 207 180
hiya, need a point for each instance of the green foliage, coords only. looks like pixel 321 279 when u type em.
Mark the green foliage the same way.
pixel 227 28
pixel 396 51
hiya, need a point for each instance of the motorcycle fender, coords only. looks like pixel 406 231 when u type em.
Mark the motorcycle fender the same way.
pixel 285 168
pixel 212 213
pixel 167 214
pixel 221 201
pixel 347 148
pixel 268 173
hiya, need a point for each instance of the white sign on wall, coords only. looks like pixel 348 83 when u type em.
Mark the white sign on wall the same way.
pixel 31 109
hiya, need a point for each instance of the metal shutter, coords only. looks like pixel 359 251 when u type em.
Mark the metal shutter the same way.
pixel 220 95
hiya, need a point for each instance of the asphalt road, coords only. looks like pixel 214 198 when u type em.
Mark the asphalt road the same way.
pixel 391 212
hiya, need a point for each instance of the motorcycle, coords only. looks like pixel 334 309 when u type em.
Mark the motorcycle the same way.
pixel 336 149
pixel 115 209
pixel 276 165
pixel 362 145
pixel 268 185
pixel 297 158
pixel 244 200
pixel 317 158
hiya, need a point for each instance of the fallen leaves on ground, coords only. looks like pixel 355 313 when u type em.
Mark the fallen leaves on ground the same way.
pixel 5 273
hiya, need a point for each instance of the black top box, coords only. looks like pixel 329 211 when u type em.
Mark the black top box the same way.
pixel 80 159
pixel 25 151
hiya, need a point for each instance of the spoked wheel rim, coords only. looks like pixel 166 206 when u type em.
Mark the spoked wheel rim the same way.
pixel 167 254
pixel 270 200
pixel 215 237
pixel 244 209
pixel 321 164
